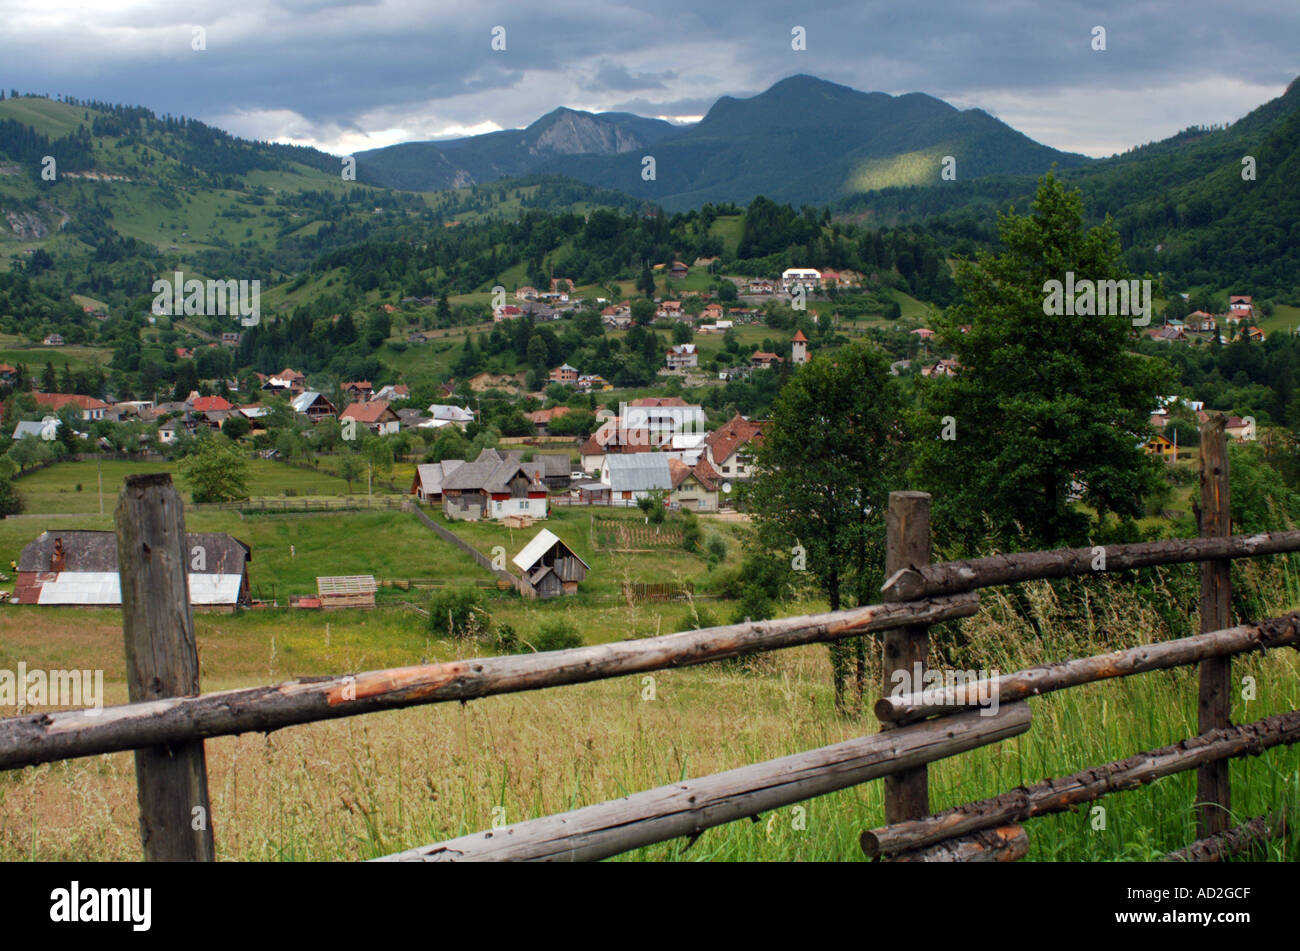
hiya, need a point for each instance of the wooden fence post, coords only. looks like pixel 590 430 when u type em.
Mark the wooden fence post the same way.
pixel 162 661
pixel 907 793
pixel 1214 705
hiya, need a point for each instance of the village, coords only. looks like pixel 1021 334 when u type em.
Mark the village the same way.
pixel 658 451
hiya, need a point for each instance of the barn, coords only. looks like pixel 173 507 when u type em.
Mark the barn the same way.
pixel 80 568
pixel 550 567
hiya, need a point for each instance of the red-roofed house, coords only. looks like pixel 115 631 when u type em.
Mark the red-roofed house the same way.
pixel 729 449
pixel 694 487
pixel 542 418
pixel 376 415
pixel 358 392
pixel 90 407
pixel 209 404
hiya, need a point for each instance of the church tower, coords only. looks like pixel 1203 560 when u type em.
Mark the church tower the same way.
pixel 799 349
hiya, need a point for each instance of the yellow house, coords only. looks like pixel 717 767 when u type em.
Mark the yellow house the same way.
pixel 1159 446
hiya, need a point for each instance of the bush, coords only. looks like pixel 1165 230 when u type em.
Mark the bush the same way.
pixel 690 532
pixel 717 548
pixel 507 639
pixel 457 613
pixel 754 605
pixel 555 635
pixel 697 618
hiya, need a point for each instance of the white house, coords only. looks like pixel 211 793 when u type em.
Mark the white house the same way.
pixel 809 278
pixel 442 414
pixel 682 356
pixel 663 417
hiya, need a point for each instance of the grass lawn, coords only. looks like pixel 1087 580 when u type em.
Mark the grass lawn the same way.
pixel 34 355
pixel 54 489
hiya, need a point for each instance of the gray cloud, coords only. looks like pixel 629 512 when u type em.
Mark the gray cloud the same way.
pixel 339 72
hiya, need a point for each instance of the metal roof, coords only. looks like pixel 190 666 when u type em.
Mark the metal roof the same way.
pixel 542 542
pixel 104 588
pixel 302 402
pixel 638 472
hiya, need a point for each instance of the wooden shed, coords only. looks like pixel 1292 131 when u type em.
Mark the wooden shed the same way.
pixel 346 591
pixel 549 567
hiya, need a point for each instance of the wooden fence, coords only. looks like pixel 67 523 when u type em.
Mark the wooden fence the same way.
pixel 167 719
pixel 290 503
pixel 658 590
pixel 504 578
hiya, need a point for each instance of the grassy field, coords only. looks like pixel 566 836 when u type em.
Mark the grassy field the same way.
pixel 359 788
pixel 609 569
pixel 55 489
pixel 34 355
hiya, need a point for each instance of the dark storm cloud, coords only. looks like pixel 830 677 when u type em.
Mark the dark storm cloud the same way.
pixel 320 70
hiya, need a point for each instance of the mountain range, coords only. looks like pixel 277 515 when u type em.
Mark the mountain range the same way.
pixel 804 140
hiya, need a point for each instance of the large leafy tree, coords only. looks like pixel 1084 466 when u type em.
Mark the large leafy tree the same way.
pixel 215 471
pixel 825 468
pixel 1044 410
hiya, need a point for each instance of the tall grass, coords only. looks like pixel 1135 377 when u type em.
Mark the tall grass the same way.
pixel 368 786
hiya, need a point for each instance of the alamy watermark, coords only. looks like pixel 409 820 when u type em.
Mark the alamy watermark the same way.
pixel 948 687
pixel 195 298
pixel 25 688
pixel 1087 298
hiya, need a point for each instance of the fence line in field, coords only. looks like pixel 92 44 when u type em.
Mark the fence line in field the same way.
pixel 167 723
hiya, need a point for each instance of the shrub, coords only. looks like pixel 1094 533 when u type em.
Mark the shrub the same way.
pixel 697 618
pixel 754 605
pixel 690 532
pixel 717 548
pixel 556 634
pixel 458 612
pixel 507 639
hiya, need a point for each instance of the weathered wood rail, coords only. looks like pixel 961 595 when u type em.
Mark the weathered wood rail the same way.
pixel 167 720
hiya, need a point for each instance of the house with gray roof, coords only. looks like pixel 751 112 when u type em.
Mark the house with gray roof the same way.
pixel 494 485
pixel 47 428
pixel 633 476
pixel 427 484
pixel 313 405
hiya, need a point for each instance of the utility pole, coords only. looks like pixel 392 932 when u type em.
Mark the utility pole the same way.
pixel 99 466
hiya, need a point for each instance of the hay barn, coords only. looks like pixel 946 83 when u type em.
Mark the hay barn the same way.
pixel 549 567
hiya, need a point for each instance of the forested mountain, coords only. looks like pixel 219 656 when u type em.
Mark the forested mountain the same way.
pixel 1182 205
pixel 804 140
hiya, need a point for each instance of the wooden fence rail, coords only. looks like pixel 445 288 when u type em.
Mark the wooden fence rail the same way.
pixel 688 808
pixel 167 721
pixel 45 737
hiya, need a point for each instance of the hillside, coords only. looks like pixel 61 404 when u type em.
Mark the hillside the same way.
pixel 804 140
pixel 1180 204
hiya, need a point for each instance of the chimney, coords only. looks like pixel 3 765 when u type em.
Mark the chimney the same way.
pixel 57 559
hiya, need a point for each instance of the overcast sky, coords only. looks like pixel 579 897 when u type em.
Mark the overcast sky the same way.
pixel 346 76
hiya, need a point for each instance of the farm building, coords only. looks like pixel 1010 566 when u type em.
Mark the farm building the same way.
pixel 554 468
pixel 80 568
pixel 494 485
pixel 550 568
pixel 427 485
pixel 346 591
pixel 636 475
